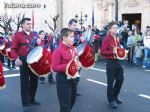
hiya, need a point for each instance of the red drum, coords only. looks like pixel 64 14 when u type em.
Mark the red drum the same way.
pixel 8 53
pixel 39 61
pixel 120 53
pixel 3 49
pixel 86 55
pixel 2 79
pixel 72 69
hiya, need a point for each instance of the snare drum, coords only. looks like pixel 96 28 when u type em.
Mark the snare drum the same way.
pixel 2 79
pixel 86 55
pixel 8 53
pixel 3 49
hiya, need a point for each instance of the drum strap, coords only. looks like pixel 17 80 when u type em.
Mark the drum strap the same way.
pixel 72 51
pixel 32 43
pixel 23 44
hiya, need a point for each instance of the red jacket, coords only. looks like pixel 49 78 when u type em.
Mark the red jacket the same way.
pixel 21 44
pixel 8 44
pixel 61 57
pixel 108 46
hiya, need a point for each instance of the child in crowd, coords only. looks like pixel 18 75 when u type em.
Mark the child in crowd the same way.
pixel 138 53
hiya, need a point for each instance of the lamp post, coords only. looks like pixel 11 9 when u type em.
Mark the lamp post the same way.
pixel 116 10
pixel 82 19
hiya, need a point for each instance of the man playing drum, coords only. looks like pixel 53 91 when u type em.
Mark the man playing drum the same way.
pixel 23 43
pixel 114 69
pixel 78 39
pixel 63 63
pixel 45 43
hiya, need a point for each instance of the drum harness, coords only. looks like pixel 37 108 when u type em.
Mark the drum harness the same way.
pixel 32 43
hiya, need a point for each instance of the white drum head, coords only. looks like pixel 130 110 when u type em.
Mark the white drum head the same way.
pixel 2 46
pixel 35 54
pixel 81 48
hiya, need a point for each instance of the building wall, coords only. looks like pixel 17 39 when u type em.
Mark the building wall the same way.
pixel 40 13
pixel 104 11
pixel 125 7
pixel 73 7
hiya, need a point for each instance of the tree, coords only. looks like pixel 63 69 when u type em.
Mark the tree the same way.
pixel 6 24
pixel 17 20
pixel 54 19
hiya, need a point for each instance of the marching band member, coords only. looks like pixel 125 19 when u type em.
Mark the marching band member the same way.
pixel 78 39
pixel 114 69
pixel 2 41
pixel 8 46
pixel 45 43
pixel 61 58
pixel 23 42
pixel 2 78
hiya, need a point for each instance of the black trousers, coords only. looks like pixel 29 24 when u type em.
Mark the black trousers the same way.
pixel 130 54
pixel 9 62
pixel 29 83
pixel 115 79
pixel 1 58
pixel 66 92
pixel 50 78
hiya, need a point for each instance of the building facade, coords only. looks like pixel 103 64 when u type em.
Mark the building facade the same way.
pixel 135 11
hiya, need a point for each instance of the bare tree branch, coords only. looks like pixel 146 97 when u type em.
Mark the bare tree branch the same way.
pixel 54 19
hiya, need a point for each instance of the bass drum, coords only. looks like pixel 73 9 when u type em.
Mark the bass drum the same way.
pixel 39 61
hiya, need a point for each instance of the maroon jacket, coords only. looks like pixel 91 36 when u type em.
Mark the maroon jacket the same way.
pixel 2 40
pixel 108 46
pixel 61 57
pixel 21 44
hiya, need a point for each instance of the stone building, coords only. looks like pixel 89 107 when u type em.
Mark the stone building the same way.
pixel 135 11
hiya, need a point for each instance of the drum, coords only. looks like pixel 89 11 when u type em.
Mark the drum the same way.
pixel 8 53
pixel 39 61
pixel 3 49
pixel 2 79
pixel 86 55
pixel 72 69
pixel 120 53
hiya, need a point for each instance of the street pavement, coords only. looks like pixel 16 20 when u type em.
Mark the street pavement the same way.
pixel 135 92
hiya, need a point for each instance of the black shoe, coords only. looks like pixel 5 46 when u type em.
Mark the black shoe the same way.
pixel 77 94
pixel 51 82
pixel 13 67
pixel 41 82
pixel 9 67
pixel 35 103
pixel 119 101
pixel 26 109
pixel 113 105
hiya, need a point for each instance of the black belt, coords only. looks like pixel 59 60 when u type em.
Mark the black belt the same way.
pixel 23 44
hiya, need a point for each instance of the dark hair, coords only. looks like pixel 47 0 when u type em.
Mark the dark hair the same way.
pixel 147 26
pixel 1 33
pixel 111 24
pixel 71 21
pixel 65 32
pixel 41 31
pixel 10 33
pixel 147 31
pixel 25 19
pixel 89 26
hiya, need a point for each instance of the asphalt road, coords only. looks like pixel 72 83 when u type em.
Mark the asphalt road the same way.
pixel 135 92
